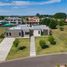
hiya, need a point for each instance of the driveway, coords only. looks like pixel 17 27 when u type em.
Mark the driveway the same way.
pixel 5 47
pixel 42 61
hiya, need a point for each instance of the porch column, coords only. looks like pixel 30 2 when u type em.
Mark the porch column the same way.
pixel 48 31
pixel 24 32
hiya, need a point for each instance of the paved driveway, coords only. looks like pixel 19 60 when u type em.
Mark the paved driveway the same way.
pixel 43 61
pixel 5 47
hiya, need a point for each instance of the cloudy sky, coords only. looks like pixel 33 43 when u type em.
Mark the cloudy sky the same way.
pixel 31 7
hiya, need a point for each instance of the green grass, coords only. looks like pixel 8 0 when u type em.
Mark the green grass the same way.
pixel 61 42
pixel 14 53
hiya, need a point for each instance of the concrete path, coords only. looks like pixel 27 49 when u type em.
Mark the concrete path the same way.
pixel 32 47
pixel 5 47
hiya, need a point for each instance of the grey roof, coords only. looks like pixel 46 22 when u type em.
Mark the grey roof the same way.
pixel 27 27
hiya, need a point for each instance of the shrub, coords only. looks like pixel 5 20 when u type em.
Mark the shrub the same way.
pixel 16 42
pixel 2 36
pixel 21 47
pixel 43 44
pixel 61 28
pixel 51 40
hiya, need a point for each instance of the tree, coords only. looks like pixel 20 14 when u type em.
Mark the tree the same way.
pixel 2 17
pixel 45 21
pixel 53 24
pixel 61 23
pixel 38 15
pixel 60 16
pixel 49 22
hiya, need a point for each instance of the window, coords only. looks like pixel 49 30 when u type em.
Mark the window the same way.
pixel 19 34
pixel 14 20
pixel 26 33
pixel 9 34
pixel 6 34
pixel 38 32
pixel 19 22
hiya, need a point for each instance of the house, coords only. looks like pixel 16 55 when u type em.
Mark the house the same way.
pixel 27 30
pixel 65 20
pixel 13 20
pixel 31 20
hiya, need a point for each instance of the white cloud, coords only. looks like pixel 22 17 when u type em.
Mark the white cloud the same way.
pixel 3 4
pixel 50 1
pixel 21 3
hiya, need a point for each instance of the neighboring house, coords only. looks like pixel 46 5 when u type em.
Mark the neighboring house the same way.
pixel 13 20
pixel 66 20
pixel 31 20
pixel 27 30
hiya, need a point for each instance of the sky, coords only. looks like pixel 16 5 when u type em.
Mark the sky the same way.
pixel 32 7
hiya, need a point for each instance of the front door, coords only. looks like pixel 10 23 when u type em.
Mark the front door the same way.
pixel 22 33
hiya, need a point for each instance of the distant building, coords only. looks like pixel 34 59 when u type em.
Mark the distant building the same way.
pixel 31 20
pixel 13 20
pixel 26 30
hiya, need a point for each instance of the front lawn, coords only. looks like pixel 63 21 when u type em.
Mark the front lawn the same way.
pixel 60 46
pixel 15 53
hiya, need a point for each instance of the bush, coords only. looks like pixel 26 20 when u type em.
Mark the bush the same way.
pixel 61 23
pixel 61 28
pixel 51 40
pixel 21 47
pixel 16 42
pixel 2 36
pixel 43 44
pixel 53 24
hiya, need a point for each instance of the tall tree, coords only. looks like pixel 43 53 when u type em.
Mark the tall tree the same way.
pixel 60 16
pixel 38 15
pixel 2 17
pixel 49 22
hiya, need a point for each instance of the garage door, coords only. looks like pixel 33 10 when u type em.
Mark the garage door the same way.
pixel 36 33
